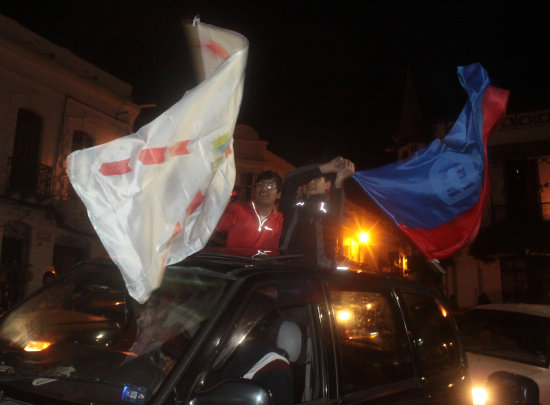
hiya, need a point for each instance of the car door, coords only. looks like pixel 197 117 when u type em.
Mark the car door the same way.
pixel 440 359
pixel 376 364
pixel 264 308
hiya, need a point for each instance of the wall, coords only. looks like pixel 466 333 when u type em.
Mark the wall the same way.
pixel 68 94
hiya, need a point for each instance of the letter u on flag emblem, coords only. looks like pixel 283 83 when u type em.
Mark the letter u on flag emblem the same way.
pixel 436 197
pixel 155 197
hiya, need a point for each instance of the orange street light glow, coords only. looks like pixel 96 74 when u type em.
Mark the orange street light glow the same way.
pixel 364 237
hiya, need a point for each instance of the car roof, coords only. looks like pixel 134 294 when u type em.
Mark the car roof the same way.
pixel 232 262
pixel 227 262
pixel 238 264
pixel 529 309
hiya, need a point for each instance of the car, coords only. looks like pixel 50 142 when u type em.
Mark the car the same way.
pixel 344 336
pixel 508 350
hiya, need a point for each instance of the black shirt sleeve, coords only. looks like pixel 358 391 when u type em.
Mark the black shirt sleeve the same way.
pixel 293 180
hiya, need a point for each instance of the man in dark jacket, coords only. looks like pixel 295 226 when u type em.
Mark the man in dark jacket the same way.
pixel 312 203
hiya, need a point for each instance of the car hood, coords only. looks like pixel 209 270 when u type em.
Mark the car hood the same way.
pixel 481 367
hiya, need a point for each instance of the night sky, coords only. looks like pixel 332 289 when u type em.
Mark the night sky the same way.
pixel 322 78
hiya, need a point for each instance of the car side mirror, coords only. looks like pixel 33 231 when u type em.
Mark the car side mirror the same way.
pixel 234 392
pixel 505 388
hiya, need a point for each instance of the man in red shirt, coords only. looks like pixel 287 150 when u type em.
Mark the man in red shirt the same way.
pixel 255 224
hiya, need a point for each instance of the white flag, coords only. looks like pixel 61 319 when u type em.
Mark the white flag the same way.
pixel 155 197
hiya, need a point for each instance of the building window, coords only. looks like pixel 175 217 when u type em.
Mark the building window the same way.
pixel 24 163
pixel 544 181
pixel 81 140
pixel 522 190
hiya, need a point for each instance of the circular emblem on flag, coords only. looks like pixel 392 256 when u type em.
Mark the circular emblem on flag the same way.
pixel 454 177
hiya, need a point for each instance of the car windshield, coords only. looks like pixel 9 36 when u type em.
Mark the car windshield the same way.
pixel 509 335
pixel 83 338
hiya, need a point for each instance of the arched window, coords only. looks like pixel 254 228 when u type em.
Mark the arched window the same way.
pixel 26 147
pixel 81 140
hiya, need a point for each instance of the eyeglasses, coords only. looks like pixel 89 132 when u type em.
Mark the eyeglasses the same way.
pixel 266 185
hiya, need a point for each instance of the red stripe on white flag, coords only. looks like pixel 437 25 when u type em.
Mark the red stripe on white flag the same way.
pixel 152 156
pixel 179 148
pixel 197 200
pixel 218 50
pixel 115 168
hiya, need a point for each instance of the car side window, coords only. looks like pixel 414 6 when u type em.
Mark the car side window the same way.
pixel 435 341
pixel 373 341
pixel 508 335
pixel 277 318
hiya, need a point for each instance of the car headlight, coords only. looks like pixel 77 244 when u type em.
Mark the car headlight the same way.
pixel 479 396
pixel 36 346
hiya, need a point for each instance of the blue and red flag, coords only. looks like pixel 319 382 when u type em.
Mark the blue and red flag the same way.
pixel 436 197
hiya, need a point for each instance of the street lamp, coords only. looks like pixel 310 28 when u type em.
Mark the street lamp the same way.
pixel 364 242
pixel 356 243
pixel 364 238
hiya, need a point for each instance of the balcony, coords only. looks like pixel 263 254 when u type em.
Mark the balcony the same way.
pixel 67 190
pixel 29 179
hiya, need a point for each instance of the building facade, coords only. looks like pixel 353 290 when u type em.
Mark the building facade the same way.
pixel 510 259
pixel 51 103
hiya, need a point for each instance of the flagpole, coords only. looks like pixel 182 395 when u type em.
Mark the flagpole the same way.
pixel 438 266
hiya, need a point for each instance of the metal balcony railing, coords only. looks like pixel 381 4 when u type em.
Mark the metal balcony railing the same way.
pixel 67 190
pixel 29 179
